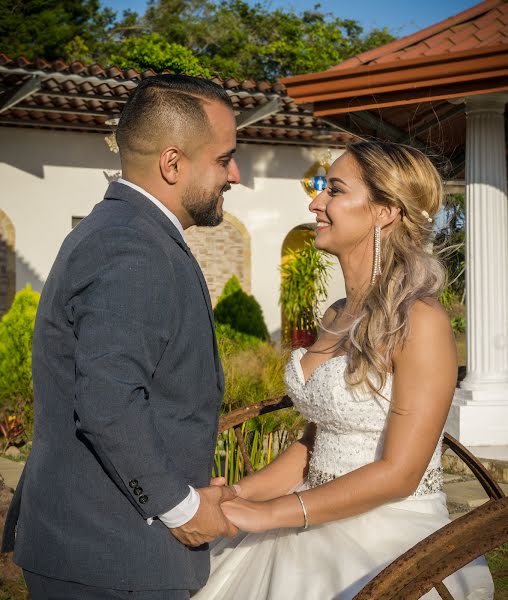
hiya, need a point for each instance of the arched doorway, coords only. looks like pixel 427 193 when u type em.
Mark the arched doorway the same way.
pixel 7 263
pixel 295 240
pixel 221 252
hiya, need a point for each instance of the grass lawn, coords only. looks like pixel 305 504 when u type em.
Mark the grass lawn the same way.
pixel 498 563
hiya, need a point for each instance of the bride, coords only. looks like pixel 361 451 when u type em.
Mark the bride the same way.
pixel 363 484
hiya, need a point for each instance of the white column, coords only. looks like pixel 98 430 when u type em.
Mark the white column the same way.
pixel 479 414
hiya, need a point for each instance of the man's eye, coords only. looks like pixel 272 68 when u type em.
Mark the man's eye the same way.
pixel 225 162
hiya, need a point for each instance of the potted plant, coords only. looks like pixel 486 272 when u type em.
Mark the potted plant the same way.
pixel 305 274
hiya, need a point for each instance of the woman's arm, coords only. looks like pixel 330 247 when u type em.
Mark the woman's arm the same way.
pixel 423 382
pixel 284 474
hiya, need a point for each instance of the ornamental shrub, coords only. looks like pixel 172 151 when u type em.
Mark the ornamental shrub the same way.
pixel 16 333
pixel 240 311
pixel 232 340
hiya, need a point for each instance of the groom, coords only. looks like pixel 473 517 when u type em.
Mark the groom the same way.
pixel 115 499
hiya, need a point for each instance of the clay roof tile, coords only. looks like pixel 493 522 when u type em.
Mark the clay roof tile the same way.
pixel 460 30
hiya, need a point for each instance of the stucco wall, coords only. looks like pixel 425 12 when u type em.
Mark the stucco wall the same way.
pixel 49 176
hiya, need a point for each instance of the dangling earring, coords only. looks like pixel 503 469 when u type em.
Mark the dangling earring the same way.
pixel 376 268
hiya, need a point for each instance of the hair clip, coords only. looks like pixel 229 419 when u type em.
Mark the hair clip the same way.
pixel 427 216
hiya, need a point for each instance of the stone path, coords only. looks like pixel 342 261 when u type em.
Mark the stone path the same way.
pixel 465 493
pixel 11 471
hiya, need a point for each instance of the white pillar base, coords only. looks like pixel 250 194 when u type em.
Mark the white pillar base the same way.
pixel 479 417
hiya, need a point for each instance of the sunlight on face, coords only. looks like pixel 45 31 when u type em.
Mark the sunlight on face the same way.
pixel 342 209
pixel 213 169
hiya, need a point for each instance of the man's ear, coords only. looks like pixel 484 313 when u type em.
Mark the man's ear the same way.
pixel 170 164
pixel 388 215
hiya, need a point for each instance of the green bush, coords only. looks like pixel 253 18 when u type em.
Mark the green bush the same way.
pixel 16 333
pixel 240 311
pixel 232 285
pixel 234 340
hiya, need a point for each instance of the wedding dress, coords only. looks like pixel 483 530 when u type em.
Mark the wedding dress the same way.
pixel 335 560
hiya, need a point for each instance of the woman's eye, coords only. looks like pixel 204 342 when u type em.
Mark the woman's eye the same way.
pixel 334 190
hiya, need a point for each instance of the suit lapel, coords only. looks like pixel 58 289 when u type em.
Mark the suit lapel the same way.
pixel 202 283
pixel 206 294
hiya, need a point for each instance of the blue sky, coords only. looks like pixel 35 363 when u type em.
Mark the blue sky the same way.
pixel 402 17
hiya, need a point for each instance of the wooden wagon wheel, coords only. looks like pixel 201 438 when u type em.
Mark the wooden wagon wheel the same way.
pixel 429 562
pixel 491 487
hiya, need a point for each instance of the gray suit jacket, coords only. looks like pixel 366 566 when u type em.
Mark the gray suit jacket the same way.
pixel 128 386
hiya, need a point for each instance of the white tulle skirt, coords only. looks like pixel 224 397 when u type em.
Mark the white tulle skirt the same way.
pixel 334 560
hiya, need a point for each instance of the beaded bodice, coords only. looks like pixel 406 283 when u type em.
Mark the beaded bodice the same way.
pixel 350 423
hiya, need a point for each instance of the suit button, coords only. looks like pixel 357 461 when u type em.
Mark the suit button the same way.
pixel 138 491
pixel 133 483
pixel 143 499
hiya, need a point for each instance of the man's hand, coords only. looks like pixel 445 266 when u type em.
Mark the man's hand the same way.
pixel 209 522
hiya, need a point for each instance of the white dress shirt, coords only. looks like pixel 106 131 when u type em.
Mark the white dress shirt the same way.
pixel 188 507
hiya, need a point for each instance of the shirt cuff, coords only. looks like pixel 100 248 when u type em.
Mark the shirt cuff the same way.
pixel 181 513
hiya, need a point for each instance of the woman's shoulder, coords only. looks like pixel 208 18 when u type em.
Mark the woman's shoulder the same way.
pixel 429 328
pixel 428 312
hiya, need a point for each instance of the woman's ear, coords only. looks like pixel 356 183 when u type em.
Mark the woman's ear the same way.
pixel 388 215
pixel 170 164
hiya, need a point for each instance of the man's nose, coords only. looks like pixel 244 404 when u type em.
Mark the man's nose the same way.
pixel 233 172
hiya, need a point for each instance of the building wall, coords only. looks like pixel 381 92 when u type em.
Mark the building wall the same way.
pixel 7 262
pixel 221 252
pixel 49 177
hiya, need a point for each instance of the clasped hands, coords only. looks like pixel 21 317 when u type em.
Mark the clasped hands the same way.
pixel 222 512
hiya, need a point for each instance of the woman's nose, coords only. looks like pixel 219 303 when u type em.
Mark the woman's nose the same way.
pixel 318 203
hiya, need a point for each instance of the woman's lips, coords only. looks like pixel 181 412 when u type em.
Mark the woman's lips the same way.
pixel 320 225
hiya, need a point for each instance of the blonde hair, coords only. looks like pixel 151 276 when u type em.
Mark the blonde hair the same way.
pixel 403 177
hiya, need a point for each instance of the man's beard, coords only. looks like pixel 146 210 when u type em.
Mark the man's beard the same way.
pixel 202 207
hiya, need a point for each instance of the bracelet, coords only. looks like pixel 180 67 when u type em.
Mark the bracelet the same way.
pixel 305 518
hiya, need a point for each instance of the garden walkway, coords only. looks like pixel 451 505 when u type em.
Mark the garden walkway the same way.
pixel 10 470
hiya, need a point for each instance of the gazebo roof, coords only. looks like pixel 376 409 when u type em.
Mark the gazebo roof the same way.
pixel 485 24
pixel 405 90
pixel 81 97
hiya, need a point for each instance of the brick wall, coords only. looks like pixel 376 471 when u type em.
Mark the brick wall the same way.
pixel 7 263
pixel 221 252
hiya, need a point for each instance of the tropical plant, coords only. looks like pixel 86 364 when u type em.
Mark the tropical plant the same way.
pixel 264 437
pixel 305 275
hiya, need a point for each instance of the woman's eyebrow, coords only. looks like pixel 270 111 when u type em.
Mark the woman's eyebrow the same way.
pixel 338 179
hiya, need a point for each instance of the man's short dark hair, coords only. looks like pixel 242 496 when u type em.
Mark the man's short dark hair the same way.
pixel 172 105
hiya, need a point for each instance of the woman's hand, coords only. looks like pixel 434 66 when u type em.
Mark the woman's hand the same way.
pixel 248 515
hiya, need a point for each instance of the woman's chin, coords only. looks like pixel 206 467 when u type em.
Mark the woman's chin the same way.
pixel 320 242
